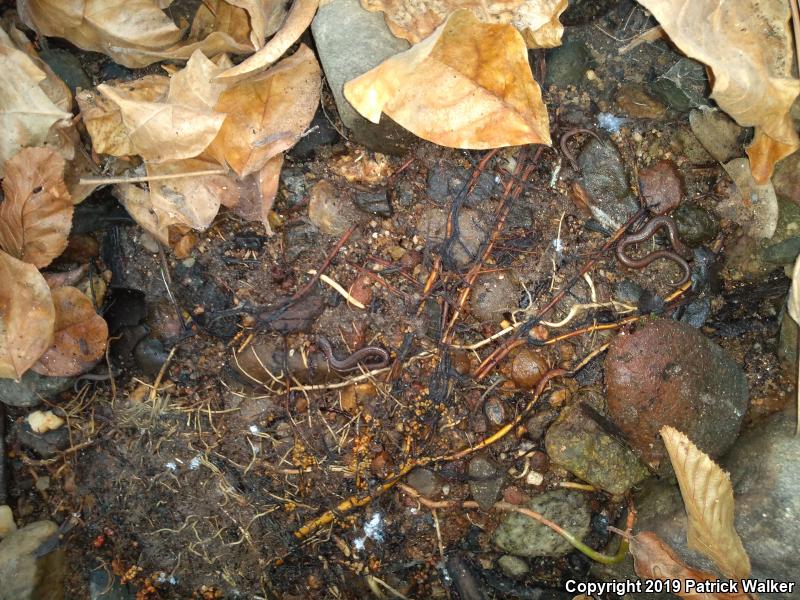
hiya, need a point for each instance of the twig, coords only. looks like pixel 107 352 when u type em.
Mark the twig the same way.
pixel 649 35
pixel 160 376
pixel 335 285
pixel 146 178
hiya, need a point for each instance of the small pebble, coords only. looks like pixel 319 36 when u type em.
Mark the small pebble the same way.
pixel 527 368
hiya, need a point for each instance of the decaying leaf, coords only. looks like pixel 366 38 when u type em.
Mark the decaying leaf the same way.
pixel 468 85
pixel 161 131
pixel 103 118
pixel 137 202
pixel 79 339
pixel 36 214
pixel 222 17
pixel 536 20
pixel 27 113
pixel 258 193
pixel 748 46
pixel 135 33
pixel 268 113
pixel 297 21
pixel 27 316
pixel 193 200
pixel 654 559
pixel 194 85
pixel 708 497
pixel 265 17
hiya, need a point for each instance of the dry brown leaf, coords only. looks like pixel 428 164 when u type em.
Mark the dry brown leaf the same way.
pixel 162 131
pixel 36 214
pixel 27 316
pixel 654 559
pixel 265 17
pixel 119 28
pixel 79 339
pixel 258 193
pixel 194 85
pixel 708 497
pixel 748 46
pixel 193 200
pixel 137 202
pixel 267 114
pixel 536 20
pixel 297 21
pixel 222 17
pixel 27 114
pixel 468 85
pixel 103 118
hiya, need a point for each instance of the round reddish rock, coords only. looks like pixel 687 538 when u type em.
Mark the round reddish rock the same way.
pixel 668 373
pixel 661 187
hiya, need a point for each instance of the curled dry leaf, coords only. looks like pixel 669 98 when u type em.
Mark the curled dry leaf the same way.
pixel 258 192
pixel 79 339
pixel 265 17
pixel 36 214
pixel 161 131
pixel 748 46
pixel 654 559
pixel 297 21
pixel 137 202
pixel 27 316
pixel 536 20
pixel 468 85
pixel 708 497
pixel 222 17
pixel 268 113
pixel 27 113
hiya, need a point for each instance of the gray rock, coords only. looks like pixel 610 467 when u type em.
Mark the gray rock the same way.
pixel 374 202
pixel 300 237
pixel 485 481
pixel 536 425
pixel 522 536
pixel 31 389
pixel 294 185
pixel 718 133
pixel 695 224
pixel 787 342
pixel 494 294
pixel 472 233
pixel 25 576
pixel 320 133
pixel 787 178
pixel 783 253
pixel 513 567
pixel 103 586
pixel 579 444
pixel 684 86
pixel 495 411
pixel 350 41
pixel 765 472
pixel 68 67
pixel 567 64
pixel 403 194
pixel 46 444
pixel 424 481
pixel 603 177
pixel 149 355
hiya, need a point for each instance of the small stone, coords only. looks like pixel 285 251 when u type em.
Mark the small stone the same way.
pixel 46 444
pixel 580 445
pixel 695 224
pixel 527 368
pixel 374 202
pixel 493 295
pixel 31 389
pixel 635 102
pixel 786 179
pixel 7 524
pixel 668 373
pixel 485 481
pixel 331 211
pixel 320 133
pixel 494 410
pixel 720 135
pixel 521 535
pixel 424 481
pixel 350 41
pixel 105 586
pixel 538 423
pixel 362 290
pixel 149 243
pixel 783 253
pixel 300 238
pixel 604 179
pixel 661 186
pixel 512 566
pixel 150 355
pixel 567 64
pixel 684 86
pixel 472 234
pixel 293 185
pixel 24 573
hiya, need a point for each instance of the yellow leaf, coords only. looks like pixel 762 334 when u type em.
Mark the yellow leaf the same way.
pixel 536 20
pixel 297 21
pixel 468 85
pixel 79 339
pixel 27 113
pixel 36 214
pixel 708 497
pixel 27 316
pixel 748 46
pixel 268 113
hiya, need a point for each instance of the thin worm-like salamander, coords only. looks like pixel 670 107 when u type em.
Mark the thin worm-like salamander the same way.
pixel 565 149
pixel 680 256
pixel 352 361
